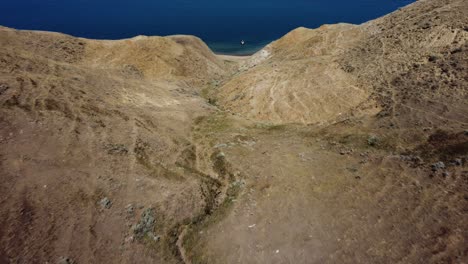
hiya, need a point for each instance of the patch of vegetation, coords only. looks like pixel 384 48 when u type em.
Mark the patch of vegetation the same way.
pixel 269 127
pixel 146 224
pixel 156 169
pixel 192 241
pixel 212 101
pixel 372 140
pixel 116 149
pixel 220 166
pixel 216 123
pixel 445 146
pixel 365 141
pixel 277 127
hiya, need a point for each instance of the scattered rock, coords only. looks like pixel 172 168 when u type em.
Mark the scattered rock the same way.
pixel 417 160
pixel 438 166
pixel 154 237
pixel 445 174
pixel 212 101
pixel 65 260
pixel 303 157
pixel 346 151
pixel 130 209
pixel 372 140
pixel 3 88
pixel 238 183
pixel 105 203
pixel 457 162
pixel 383 113
pixel 116 149
pixel 432 58
pixel 426 25
pixel 456 50
pixel 364 161
pixel 129 239
pixel 132 70
pixel 410 158
pixel 221 145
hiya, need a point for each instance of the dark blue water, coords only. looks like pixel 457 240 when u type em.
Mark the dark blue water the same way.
pixel 222 24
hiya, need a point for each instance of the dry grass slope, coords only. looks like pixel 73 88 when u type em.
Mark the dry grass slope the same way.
pixel 342 144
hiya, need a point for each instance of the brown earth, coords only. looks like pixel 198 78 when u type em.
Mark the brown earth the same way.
pixel 342 144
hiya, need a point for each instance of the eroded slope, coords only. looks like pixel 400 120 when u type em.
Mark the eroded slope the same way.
pixel 110 155
pixel 93 134
pixel 295 79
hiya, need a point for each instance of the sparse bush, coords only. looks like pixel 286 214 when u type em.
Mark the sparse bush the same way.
pixel 212 101
pixel 372 140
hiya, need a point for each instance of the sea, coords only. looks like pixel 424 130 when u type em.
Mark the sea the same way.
pixel 222 24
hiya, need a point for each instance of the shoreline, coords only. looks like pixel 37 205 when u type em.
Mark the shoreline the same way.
pixel 232 57
pixel 247 54
pixel 233 49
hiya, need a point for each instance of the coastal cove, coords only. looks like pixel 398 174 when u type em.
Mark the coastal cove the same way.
pixel 222 25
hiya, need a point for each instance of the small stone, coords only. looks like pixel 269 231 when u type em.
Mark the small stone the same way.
pixel 445 174
pixel 116 149
pixel 458 162
pixel 405 158
pixel 372 140
pixel 105 203
pixel 130 209
pixel 129 239
pixel 65 260
pixel 432 58
pixel 155 238
pixel 438 166
pixel 417 160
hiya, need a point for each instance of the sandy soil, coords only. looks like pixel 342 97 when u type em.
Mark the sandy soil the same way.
pixel 233 58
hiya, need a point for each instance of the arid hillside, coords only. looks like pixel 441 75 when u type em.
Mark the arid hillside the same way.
pixel 341 144
pixel 84 121
pixel 316 75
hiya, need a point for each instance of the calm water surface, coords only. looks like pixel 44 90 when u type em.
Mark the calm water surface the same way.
pixel 221 24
